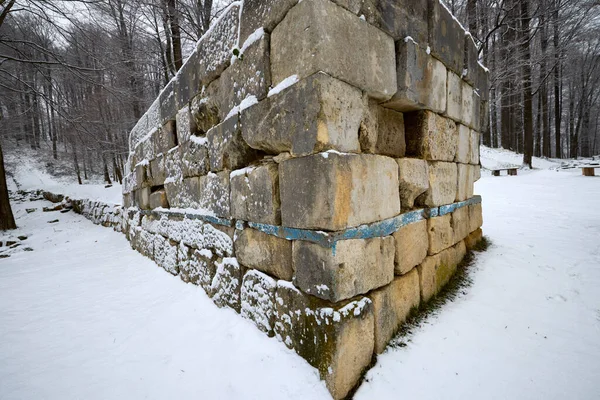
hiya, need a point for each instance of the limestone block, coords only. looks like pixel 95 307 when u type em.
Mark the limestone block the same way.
pixel 130 183
pixel 460 224
pixel 185 125
pixel 471 63
pixel 214 194
pixel 392 304
pixel 168 102
pixel 153 116
pixel 142 198
pixel 333 191
pixel 142 176
pixel 188 80
pixel 226 284
pixel 266 253
pixel 412 244
pixel 338 339
pixel 147 148
pixel 413 176
pixel 382 131
pixel 255 194
pixel 194 157
pixel 145 243
pixel 430 136
pixel 165 138
pixel 214 49
pixel 435 271
pixel 318 113
pixel 421 79
pixel 158 171
pixel 466 174
pixel 200 269
pixel 463 152
pixel 476 170
pixel 203 236
pixel 173 165
pixel 446 37
pixel 205 108
pixel 454 101
pixel 353 267
pixel 264 14
pixel 165 254
pixel 476 119
pixel 184 194
pixel 298 48
pixel 483 83
pixel 473 239
pixel 226 147
pixel 475 217
pixel 443 180
pixel 473 147
pixel 248 75
pixel 158 199
pixel 468 104
pixel 258 300
pixel 398 18
pixel 127 200
pixel 441 235
pixel 484 116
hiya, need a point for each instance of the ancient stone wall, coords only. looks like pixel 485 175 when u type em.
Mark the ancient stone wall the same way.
pixel 312 166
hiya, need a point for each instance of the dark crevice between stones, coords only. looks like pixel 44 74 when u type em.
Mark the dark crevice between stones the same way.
pixel 455 288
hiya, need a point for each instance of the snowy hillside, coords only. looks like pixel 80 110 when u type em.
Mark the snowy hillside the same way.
pixel 500 158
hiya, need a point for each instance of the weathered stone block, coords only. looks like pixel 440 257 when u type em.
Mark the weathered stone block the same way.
pixel 200 269
pixel 168 102
pixel 473 147
pixel 460 224
pixel 165 138
pixel 318 113
pixel 351 268
pixel 441 235
pixel 466 176
pixel 468 105
pixel 454 101
pixel 258 300
pixel 337 340
pixel 226 284
pixel 142 198
pixel 471 63
pixel 430 136
pixel 214 194
pixel 165 254
pixel 412 244
pixel 266 253
pixel 334 191
pixel 398 18
pixel 142 176
pixel 463 154
pixel 158 171
pixel 214 49
pixel 421 80
pixel 255 194
pixel 297 47
pixel 382 131
pixel 194 157
pixel 413 176
pixel 436 271
pixel 443 179
pixel 483 83
pixel 226 147
pixel 475 217
pixel 264 14
pixel 158 199
pixel 205 108
pixel 473 239
pixel 392 304
pixel 185 125
pixel 249 75
pixel 446 37
pixel 183 194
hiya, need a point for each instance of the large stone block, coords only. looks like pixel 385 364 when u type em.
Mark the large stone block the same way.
pixel 168 102
pixel 421 80
pixel 158 199
pixel 460 224
pixel 466 176
pixel 471 63
pixel 454 102
pixel 188 80
pixel 255 194
pixel 258 300
pixel 430 136
pixel 214 194
pixel 473 239
pixel 266 14
pixel 351 268
pixel 266 253
pixel 441 235
pixel 142 175
pixel 142 198
pixel 185 125
pixel 165 138
pixel 248 75
pixel 469 113
pixel 412 244
pixel 200 269
pixel 475 217
pixel 435 271
pixel 392 304
pixel 194 157
pixel 226 146
pixel 333 191
pixel 446 37
pixel 318 113
pixel 382 131
pixel 205 108
pixel 443 182
pixel 215 48
pixel 473 148
pixel 413 176
pixel 158 171
pixel 226 284
pixel 338 340
pixel 165 254
pixel 463 154
pixel 184 194
pixel 398 18
pixel 298 48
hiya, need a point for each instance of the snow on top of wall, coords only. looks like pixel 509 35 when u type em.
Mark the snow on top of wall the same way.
pixel 284 84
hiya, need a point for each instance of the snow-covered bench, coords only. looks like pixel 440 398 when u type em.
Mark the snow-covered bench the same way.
pixel 510 171
pixel 588 170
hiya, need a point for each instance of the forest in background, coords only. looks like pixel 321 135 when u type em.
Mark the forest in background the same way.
pixel 75 76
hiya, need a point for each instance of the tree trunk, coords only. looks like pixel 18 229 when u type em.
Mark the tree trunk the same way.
pixel 175 34
pixel 7 220
pixel 527 95
pixel 557 94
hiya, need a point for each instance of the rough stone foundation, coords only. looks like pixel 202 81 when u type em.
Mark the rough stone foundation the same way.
pixel 320 183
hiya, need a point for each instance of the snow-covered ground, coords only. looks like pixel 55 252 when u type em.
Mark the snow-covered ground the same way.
pixel 500 158
pixel 84 316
